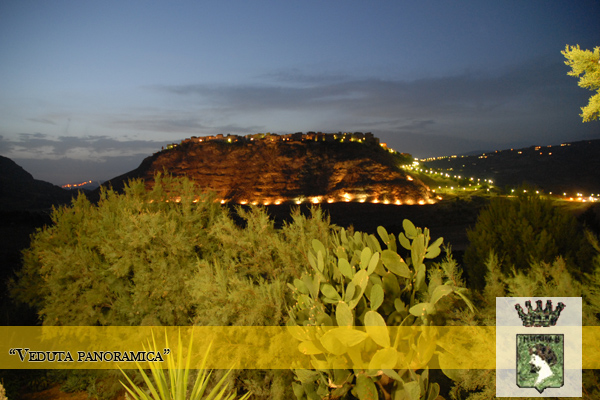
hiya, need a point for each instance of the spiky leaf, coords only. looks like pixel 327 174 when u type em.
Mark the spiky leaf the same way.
pixel 440 292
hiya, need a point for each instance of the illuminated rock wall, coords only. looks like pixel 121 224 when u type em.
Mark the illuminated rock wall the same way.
pixel 265 172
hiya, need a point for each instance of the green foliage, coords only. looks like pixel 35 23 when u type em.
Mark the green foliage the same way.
pixel 159 257
pixel 586 62
pixel 114 263
pixel 541 280
pixel 355 291
pixel 523 230
pixel 174 384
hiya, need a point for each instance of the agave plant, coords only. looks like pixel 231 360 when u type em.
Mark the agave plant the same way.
pixel 173 385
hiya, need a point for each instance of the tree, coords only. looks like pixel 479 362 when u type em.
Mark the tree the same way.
pixel 586 62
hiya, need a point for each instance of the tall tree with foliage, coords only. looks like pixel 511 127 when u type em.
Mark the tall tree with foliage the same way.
pixel 586 63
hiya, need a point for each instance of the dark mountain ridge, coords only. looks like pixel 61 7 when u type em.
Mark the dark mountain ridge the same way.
pixel 565 168
pixel 20 191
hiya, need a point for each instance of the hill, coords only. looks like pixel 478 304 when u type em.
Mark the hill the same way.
pixel 271 170
pixel 20 191
pixel 569 168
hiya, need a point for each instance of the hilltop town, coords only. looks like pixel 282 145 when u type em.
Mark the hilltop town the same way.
pixel 267 168
pixel 340 137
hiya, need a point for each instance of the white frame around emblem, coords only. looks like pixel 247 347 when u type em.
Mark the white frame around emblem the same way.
pixel 508 325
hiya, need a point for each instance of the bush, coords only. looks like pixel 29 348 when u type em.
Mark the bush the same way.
pixel 362 290
pixel 167 256
pixel 125 261
pixel 541 280
pixel 523 230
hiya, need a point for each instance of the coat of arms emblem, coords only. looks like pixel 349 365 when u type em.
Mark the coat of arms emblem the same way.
pixel 540 357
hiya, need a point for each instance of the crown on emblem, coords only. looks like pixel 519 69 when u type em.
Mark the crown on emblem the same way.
pixel 539 317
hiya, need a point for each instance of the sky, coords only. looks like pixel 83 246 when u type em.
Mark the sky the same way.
pixel 88 89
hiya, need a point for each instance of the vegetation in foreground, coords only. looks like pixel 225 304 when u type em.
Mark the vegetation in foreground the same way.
pixel 112 264
pixel 521 231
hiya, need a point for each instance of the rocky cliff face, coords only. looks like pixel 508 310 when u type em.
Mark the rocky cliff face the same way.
pixel 264 172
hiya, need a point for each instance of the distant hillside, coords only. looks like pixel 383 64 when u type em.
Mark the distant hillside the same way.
pixel 565 168
pixel 268 171
pixel 85 186
pixel 20 191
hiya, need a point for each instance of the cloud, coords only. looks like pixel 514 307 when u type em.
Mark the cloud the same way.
pixel 521 91
pixel 29 136
pixel 42 120
pixel 527 103
pixel 181 123
pixel 89 148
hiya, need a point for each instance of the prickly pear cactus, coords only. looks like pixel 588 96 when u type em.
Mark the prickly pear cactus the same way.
pixel 364 315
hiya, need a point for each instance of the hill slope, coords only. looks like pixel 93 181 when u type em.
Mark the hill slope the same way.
pixel 268 172
pixel 20 191
pixel 567 168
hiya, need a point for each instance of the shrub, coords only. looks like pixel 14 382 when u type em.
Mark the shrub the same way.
pixel 167 256
pixel 540 280
pixel 174 384
pixel 354 291
pixel 123 262
pixel 523 230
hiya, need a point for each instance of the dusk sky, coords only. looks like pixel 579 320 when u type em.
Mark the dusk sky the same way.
pixel 88 89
